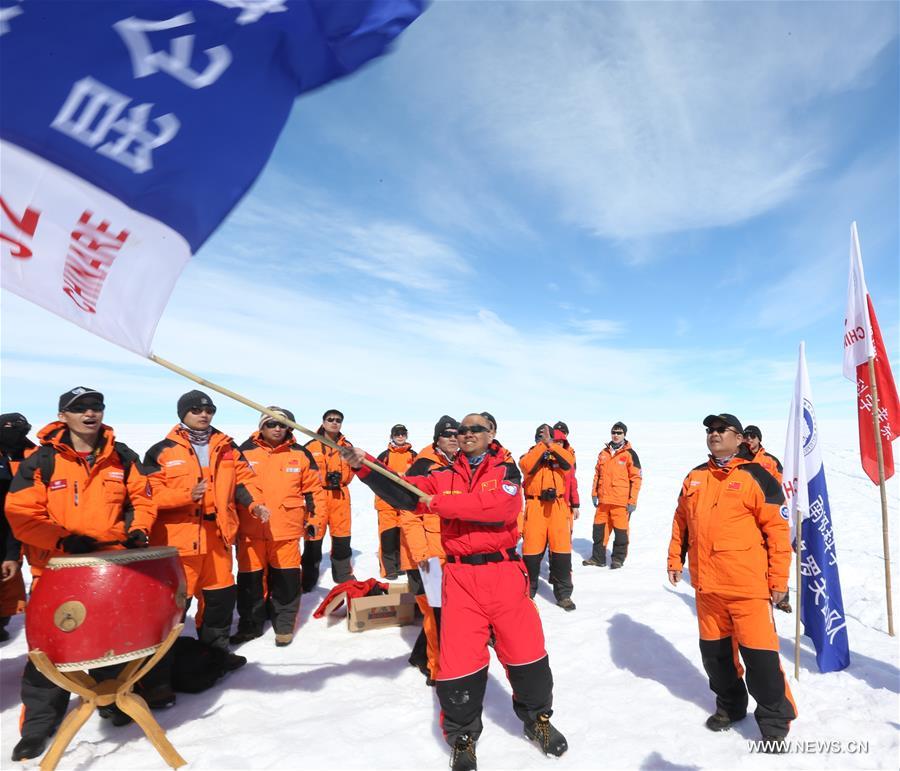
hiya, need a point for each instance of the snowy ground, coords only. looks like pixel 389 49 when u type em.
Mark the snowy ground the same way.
pixel 629 687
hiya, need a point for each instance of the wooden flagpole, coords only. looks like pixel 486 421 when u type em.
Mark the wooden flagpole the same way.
pixel 282 419
pixel 879 453
pixel 798 577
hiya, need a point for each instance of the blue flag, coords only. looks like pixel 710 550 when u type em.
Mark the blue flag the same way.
pixel 821 604
pixel 130 128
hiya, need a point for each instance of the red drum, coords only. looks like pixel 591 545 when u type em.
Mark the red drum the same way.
pixel 92 610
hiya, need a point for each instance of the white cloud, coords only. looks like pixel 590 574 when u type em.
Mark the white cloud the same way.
pixel 597 328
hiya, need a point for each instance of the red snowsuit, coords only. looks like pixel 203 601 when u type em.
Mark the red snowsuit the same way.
pixel 485 587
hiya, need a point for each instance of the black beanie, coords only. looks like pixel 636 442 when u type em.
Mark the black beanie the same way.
pixel 445 424
pixel 620 424
pixel 193 399
pixel 560 426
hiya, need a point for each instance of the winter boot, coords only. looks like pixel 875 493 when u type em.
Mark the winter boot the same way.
pixel 284 639
pixel 115 715
pixel 720 720
pixel 32 747
pixel 566 604
pixel 543 733
pixel 462 757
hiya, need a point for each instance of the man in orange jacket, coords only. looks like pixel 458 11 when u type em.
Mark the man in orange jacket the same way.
pixel 398 457
pixel 336 476
pixel 15 446
pixel 548 518
pixel 80 491
pixel 732 520
pixel 199 479
pixel 422 536
pixel 268 580
pixel 617 482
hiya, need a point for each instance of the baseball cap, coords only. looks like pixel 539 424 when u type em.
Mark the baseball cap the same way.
pixel 399 428
pixel 69 398
pixel 727 418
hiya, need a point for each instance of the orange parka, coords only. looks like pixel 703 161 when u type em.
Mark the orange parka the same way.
pixel 735 527
pixel 769 462
pixel 174 468
pixel 56 493
pixel 328 459
pixel 422 532
pixel 398 459
pixel 291 490
pixel 538 474
pixel 617 476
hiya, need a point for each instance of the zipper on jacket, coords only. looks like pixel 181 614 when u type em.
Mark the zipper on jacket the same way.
pixel 76 493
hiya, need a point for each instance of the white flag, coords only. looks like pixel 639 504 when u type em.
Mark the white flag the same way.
pixel 858 345
pixel 796 474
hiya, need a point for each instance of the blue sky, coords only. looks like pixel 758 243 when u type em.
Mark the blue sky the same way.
pixel 598 211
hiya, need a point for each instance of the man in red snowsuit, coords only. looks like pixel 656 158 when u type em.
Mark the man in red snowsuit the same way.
pixel 485 587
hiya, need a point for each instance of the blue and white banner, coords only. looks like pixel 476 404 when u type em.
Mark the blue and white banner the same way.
pixel 821 604
pixel 130 128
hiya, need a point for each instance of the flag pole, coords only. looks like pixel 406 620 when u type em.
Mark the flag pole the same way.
pixel 879 453
pixel 798 578
pixel 281 419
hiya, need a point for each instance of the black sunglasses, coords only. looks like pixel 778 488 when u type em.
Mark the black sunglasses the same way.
pixel 718 429
pixel 79 408
pixel 448 434
pixel 617 432
pixel 273 424
pixel 201 410
pixel 476 429
pixel 334 420
pixel 752 435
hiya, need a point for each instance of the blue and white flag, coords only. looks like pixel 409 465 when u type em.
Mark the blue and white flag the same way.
pixel 130 128
pixel 821 604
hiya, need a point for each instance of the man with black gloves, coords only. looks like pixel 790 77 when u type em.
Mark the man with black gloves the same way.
pixel 15 446
pixel 97 487
pixel 199 479
pixel 478 499
pixel 548 517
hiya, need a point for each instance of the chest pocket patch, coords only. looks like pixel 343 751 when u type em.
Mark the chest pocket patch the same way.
pixel 490 484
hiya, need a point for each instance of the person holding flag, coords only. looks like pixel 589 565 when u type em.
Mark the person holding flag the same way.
pixel 878 405
pixel 731 520
pixel 821 606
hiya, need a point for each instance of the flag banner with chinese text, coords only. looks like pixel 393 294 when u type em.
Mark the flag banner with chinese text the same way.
pixel 805 490
pixel 130 128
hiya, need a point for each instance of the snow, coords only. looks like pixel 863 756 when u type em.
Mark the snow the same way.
pixel 629 692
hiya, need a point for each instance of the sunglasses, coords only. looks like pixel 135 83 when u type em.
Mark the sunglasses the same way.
pixel 752 436
pixel 719 429
pixel 201 410
pixel 448 434
pixel 92 406
pixel 334 420
pixel 617 433
pixel 273 424
pixel 463 430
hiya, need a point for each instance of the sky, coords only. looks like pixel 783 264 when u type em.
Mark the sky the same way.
pixel 546 210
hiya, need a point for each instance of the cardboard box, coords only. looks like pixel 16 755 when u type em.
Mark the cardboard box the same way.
pixel 396 608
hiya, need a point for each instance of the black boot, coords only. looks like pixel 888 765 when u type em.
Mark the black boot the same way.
pixel 544 734
pixel 115 715
pixel 312 556
pixel 598 554
pixel 462 757
pixel 30 747
pixel 720 720
pixel 251 607
pixel 533 565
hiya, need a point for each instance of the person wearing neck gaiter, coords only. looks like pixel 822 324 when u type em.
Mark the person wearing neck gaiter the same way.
pixel 15 446
pixel 199 479
pixel 732 522
pixel 398 457
pixel 617 482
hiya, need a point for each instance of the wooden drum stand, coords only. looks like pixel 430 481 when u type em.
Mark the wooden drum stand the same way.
pixel 116 691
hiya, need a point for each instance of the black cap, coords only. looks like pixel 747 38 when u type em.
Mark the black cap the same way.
pixel 727 418
pixel 263 418
pixel 398 428
pixel 753 431
pixel 490 419
pixel 446 423
pixel 332 412
pixel 619 424
pixel 16 420
pixel 192 399
pixel 560 426
pixel 69 398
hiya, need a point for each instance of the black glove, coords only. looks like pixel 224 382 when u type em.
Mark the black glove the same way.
pixel 77 544
pixel 311 531
pixel 137 539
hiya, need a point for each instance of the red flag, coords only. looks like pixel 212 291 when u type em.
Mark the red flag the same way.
pixel 888 406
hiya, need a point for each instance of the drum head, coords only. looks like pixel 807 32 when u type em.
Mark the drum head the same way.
pixel 118 557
